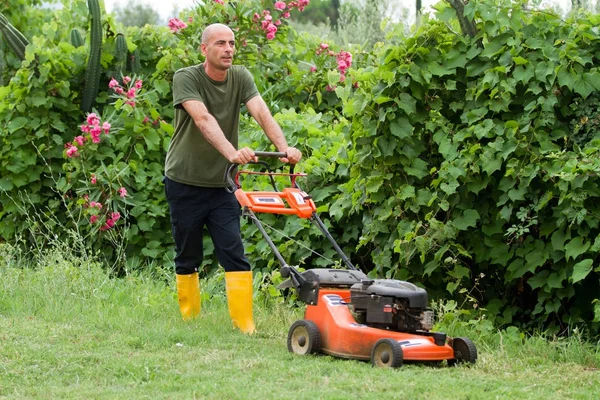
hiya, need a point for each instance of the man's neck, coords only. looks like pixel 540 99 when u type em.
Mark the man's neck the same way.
pixel 215 74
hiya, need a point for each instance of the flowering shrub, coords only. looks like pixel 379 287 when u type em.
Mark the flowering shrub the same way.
pixel 108 184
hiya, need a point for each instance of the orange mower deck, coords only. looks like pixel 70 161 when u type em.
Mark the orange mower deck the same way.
pixel 342 336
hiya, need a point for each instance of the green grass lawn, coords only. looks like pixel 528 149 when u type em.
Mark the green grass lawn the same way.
pixel 69 331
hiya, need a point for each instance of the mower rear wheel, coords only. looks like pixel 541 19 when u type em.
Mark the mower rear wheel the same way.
pixel 464 351
pixel 387 353
pixel 304 338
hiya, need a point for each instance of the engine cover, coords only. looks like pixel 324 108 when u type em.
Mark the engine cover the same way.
pixel 416 296
pixel 391 304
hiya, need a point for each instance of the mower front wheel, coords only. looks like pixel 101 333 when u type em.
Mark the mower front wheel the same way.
pixel 464 351
pixel 304 338
pixel 387 353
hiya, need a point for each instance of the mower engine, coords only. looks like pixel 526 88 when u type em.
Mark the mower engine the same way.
pixel 391 304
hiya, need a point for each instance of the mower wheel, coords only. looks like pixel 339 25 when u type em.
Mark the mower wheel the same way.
pixel 464 351
pixel 387 353
pixel 304 338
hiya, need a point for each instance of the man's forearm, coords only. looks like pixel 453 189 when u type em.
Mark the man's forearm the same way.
pixel 274 133
pixel 214 135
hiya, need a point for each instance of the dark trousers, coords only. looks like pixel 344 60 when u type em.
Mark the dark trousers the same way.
pixel 192 208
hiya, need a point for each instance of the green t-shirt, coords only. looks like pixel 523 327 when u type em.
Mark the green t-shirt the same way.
pixel 190 158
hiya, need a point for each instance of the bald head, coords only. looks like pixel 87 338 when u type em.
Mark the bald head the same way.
pixel 213 29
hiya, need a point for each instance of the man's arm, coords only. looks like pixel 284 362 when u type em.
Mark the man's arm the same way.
pixel 259 110
pixel 210 129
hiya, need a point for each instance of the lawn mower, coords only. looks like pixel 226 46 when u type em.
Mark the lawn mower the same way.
pixel 348 315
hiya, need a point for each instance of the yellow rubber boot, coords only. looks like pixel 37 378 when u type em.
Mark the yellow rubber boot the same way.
pixel 239 298
pixel 188 292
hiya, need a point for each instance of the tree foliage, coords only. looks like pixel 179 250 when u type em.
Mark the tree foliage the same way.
pixel 136 14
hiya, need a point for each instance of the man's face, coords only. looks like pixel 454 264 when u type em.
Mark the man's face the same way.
pixel 219 48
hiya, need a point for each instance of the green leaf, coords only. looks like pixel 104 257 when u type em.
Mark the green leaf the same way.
pixel 586 84
pixel 374 183
pixel 418 168
pixel 576 247
pixel 468 219
pixel 558 240
pixel 438 70
pixel 555 281
pixel 401 128
pixel 566 77
pixel 582 269
pixel 16 124
pixel 538 280
pixel 406 192
pixel 524 74
pixel 152 139
pixel 407 103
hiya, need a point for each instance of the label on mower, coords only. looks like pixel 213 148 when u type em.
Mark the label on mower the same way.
pixel 299 198
pixel 267 200
pixel 334 300
pixel 413 342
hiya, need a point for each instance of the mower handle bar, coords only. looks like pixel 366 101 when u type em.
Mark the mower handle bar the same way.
pixel 270 154
pixel 232 184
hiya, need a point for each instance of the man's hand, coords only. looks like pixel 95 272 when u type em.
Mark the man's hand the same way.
pixel 293 155
pixel 243 156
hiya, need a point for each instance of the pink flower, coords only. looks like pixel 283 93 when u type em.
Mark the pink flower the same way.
pixel 175 24
pixel 271 35
pixel 131 103
pixel 106 127
pixel 122 192
pixel 93 219
pixel 126 79
pixel 92 119
pixel 285 14
pixel 93 179
pixel 115 216
pixel 219 1
pixel 324 46
pixel 146 120
pixel 330 88
pixel 85 128
pixel 344 60
pixel 95 204
pixel 95 134
pixel 313 68
pixel 131 93
pixel 72 152
pixel 119 90
pixel 138 83
pixel 113 83
pixel 280 5
pixel 79 139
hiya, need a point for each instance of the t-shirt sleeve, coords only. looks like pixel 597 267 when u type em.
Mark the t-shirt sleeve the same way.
pixel 185 88
pixel 249 86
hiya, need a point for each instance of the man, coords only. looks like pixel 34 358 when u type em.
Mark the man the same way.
pixel 207 100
